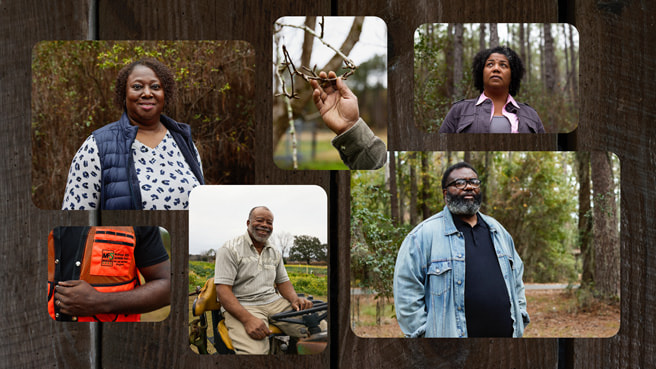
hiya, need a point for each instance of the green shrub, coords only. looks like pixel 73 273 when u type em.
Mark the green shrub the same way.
pixel 309 284
pixel 199 272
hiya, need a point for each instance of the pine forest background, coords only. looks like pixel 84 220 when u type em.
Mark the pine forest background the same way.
pixel 443 56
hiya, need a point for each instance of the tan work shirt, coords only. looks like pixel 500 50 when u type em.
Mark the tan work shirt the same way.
pixel 251 275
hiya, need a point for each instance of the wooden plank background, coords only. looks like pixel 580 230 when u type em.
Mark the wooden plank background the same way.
pixel 618 107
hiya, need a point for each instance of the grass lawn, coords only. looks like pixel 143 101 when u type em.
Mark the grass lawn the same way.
pixel 327 157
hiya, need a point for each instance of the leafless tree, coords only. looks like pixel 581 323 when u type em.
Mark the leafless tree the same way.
pixel 283 241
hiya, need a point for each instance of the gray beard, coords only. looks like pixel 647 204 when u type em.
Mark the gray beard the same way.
pixel 459 206
pixel 251 231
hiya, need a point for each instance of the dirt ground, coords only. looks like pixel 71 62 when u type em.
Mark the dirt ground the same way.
pixel 554 313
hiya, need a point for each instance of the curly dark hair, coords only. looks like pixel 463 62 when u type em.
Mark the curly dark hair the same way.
pixel 516 67
pixel 447 172
pixel 163 72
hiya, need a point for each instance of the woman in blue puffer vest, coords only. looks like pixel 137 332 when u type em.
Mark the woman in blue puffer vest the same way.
pixel 145 160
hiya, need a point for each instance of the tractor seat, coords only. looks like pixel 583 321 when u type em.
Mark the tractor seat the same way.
pixel 206 300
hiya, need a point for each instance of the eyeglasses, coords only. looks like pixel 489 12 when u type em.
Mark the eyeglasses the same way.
pixel 461 183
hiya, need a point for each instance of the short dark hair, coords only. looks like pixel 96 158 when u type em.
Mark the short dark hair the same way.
pixel 516 67
pixel 161 70
pixel 447 172
pixel 250 213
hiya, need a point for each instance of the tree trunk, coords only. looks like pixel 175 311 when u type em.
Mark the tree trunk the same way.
pixel 308 41
pixel 380 307
pixel 457 61
pixel 449 60
pixel 606 235
pixel 394 198
pixel 575 76
pixel 487 186
pixel 494 35
pixel 585 221
pixel 425 184
pixel 528 53
pixel 568 75
pixel 413 188
pixel 522 46
pixel 541 52
pixel 481 37
pixel 550 68
pixel 401 186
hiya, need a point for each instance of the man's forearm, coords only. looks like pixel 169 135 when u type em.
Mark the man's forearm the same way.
pixel 230 303
pixel 78 297
pixel 151 296
pixel 287 291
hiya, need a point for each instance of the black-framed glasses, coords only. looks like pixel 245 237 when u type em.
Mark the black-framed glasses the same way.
pixel 461 183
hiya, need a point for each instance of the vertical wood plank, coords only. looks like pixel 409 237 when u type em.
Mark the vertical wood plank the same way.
pixel 30 339
pixel 252 21
pixel 618 74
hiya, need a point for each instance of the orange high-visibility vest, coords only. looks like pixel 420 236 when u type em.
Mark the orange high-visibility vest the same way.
pixel 106 262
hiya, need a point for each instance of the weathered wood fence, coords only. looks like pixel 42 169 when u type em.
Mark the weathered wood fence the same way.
pixel 618 110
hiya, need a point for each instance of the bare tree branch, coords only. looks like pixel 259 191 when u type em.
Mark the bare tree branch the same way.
pixel 288 105
pixel 303 96
pixel 308 74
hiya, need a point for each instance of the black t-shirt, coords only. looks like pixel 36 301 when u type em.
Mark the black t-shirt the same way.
pixel 487 304
pixel 148 250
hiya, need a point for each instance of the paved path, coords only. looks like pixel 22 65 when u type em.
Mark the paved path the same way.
pixel 548 286
pixel 528 286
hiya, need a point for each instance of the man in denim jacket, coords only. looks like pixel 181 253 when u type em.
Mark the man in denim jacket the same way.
pixel 435 295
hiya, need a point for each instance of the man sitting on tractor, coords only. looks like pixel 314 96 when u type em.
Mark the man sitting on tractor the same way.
pixel 252 284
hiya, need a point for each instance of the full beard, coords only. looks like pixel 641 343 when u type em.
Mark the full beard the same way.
pixel 257 237
pixel 458 205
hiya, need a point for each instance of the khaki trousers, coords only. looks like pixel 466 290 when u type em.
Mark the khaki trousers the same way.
pixel 243 343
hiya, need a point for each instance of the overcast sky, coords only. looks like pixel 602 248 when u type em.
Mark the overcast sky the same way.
pixel 219 213
pixel 504 35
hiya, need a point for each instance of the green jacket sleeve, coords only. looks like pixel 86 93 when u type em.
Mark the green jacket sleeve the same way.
pixel 359 148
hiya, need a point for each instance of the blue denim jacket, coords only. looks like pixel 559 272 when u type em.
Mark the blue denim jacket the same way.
pixel 429 278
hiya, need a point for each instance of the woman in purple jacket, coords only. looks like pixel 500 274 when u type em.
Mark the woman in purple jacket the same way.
pixel 497 75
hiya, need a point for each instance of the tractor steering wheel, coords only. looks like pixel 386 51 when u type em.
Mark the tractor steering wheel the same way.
pixel 308 317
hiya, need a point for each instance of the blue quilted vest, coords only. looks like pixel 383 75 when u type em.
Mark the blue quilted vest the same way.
pixel 119 185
